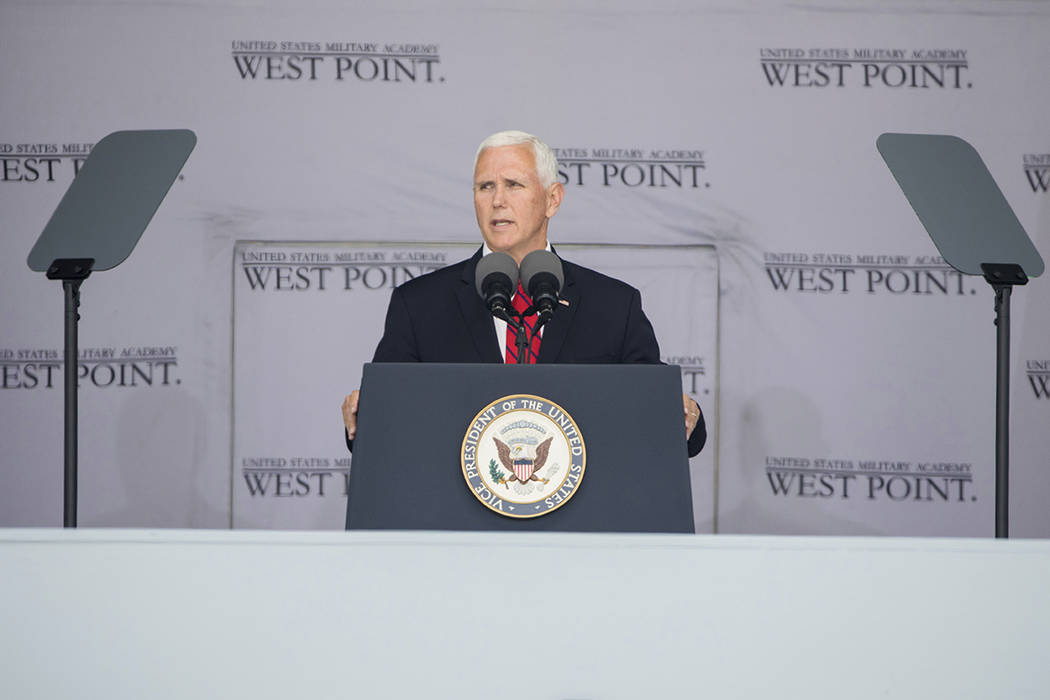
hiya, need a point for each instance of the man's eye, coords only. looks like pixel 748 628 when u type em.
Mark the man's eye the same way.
pixel 484 187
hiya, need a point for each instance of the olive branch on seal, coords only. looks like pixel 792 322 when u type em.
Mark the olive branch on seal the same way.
pixel 495 472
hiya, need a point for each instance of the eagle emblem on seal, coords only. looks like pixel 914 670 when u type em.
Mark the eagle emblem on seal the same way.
pixel 522 464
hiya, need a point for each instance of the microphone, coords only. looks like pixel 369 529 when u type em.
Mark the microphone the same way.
pixel 542 278
pixel 496 279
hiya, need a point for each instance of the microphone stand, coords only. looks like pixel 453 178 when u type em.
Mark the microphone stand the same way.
pixel 523 339
pixel 544 315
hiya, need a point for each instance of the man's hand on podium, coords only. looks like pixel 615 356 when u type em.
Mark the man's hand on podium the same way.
pixel 692 414
pixel 350 412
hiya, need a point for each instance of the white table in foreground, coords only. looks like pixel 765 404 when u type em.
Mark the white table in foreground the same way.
pixel 183 614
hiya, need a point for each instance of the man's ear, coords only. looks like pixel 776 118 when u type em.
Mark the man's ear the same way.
pixel 555 194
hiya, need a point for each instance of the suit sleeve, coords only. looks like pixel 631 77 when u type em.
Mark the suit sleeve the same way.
pixel 640 345
pixel 699 437
pixel 398 343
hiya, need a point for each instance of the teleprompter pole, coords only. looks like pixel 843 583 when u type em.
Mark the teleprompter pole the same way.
pixel 72 271
pixel 1002 277
pixel 1002 409
pixel 72 290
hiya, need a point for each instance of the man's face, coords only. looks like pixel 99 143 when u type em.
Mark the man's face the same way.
pixel 511 205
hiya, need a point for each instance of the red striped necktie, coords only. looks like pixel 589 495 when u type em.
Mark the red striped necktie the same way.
pixel 520 302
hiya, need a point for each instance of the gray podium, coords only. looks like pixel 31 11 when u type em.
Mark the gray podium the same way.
pixel 406 472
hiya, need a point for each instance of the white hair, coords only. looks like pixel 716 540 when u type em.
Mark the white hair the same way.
pixel 546 162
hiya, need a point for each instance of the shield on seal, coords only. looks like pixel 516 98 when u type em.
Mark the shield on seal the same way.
pixel 523 468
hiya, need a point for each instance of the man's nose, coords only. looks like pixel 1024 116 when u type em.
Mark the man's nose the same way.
pixel 498 196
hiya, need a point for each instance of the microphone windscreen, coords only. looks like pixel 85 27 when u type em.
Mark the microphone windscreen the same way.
pixel 541 261
pixel 498 263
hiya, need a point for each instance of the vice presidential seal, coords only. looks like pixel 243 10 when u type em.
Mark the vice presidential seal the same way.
pixel 523 456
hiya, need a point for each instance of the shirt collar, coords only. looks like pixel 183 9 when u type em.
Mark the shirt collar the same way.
pixel 485 250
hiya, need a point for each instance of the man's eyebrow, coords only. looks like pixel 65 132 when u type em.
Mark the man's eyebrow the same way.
pixel 506 180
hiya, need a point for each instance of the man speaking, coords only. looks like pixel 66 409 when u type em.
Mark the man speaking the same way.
pixel 440 316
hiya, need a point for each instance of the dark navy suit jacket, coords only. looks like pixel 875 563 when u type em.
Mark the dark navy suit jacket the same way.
pixel 439 317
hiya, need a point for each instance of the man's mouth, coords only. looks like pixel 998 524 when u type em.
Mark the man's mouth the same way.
pixel 500 223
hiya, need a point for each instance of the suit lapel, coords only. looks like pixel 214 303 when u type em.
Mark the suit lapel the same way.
pixel 476 316
pixel 555 332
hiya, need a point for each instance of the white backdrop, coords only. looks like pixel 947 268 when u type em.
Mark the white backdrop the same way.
pixel 852 372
